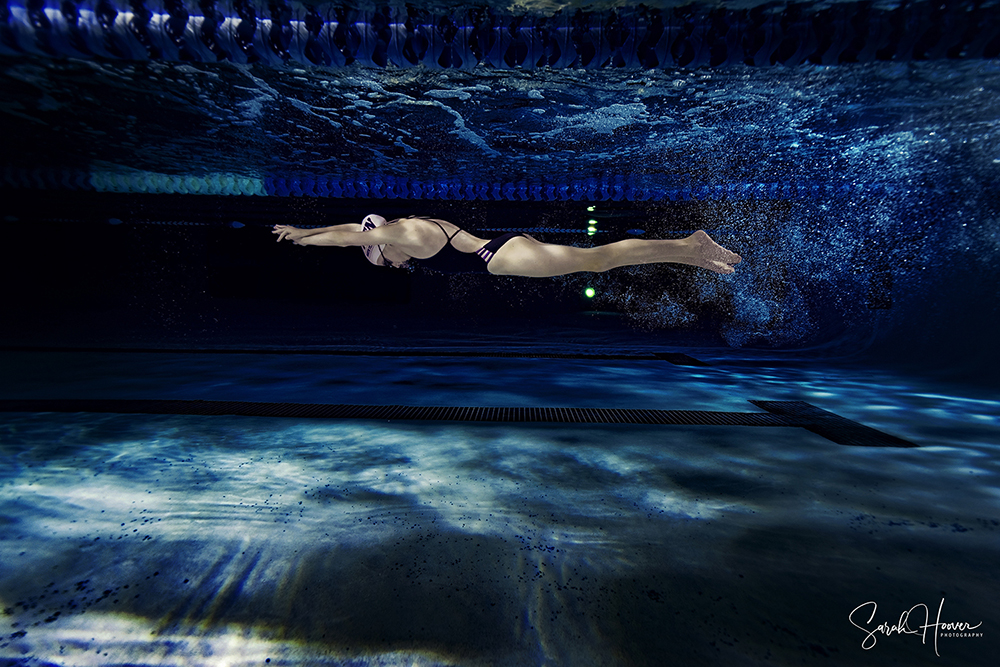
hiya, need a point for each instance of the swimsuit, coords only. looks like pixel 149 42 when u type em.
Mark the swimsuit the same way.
pixel 451 260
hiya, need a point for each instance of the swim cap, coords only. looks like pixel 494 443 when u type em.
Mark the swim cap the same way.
pixel 373 252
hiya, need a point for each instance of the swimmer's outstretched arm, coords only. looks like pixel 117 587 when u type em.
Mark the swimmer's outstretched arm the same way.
pixel 296 233
pixel 402 237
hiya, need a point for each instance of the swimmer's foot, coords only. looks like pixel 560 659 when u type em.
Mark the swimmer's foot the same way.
pixel 708 254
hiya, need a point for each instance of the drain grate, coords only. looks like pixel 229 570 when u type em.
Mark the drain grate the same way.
pixel 779 413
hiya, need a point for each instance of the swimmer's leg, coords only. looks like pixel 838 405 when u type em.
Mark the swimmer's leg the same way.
pixel 527 257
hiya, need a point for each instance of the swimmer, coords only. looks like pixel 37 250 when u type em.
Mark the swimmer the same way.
pixel 443 246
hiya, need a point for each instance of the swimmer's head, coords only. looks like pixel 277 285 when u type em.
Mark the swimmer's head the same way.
pixel 373 252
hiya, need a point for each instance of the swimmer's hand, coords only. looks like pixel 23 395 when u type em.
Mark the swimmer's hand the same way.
pixel 293 234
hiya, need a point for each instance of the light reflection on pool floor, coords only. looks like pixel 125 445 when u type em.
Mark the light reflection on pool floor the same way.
pixel 231 540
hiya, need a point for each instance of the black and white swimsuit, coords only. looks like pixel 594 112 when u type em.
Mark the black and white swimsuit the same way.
pixel 452 260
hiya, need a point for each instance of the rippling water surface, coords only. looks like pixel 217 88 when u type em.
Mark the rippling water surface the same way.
pixel 896 123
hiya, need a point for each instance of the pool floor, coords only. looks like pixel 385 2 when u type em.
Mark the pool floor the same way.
pixel 193 540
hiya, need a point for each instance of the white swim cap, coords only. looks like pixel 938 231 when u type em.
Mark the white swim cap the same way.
pixel 373 252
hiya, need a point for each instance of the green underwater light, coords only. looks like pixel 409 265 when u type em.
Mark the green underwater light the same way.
pixel 589 292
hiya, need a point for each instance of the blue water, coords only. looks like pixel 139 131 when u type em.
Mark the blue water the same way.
pixel 862 197
pixel 897 124
pixel 825 179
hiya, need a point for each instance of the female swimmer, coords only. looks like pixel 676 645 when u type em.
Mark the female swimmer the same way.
pixel 441 245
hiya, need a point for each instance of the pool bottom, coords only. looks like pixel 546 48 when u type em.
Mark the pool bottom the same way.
pixel 190 540
pixel 166 539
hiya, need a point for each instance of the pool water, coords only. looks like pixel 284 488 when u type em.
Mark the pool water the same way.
pixel 849 152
